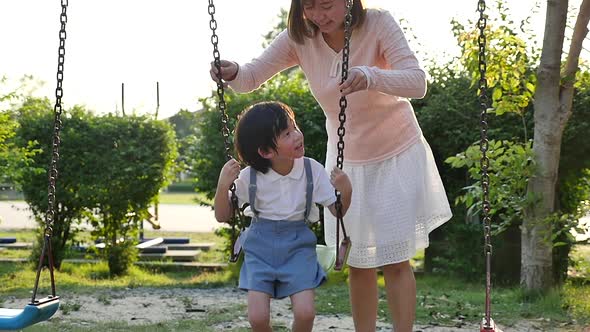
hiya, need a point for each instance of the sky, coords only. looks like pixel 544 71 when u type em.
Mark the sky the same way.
pixel 141 42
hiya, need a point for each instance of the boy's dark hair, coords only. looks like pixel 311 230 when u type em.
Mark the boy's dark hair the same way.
pixel 258 127
pixel 300 28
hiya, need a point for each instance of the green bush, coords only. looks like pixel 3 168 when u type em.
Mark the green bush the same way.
pixel 110 171
pixel 181 187
pixel 120 257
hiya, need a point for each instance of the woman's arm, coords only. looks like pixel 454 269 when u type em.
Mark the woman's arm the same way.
pixel 278 56
pixel 405 78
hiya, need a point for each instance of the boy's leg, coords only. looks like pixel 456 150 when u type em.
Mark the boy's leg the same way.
pixel 401 295
pixel 363 298
pixel 303 304
pixel 259 311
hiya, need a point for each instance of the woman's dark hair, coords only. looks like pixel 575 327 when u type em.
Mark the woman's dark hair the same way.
pixel 300 28
pixel 258 128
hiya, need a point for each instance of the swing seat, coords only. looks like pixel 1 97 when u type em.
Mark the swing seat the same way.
pixel 16 319
pixel 326 256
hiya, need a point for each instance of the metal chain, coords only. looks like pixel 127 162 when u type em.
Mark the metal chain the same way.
pixel 343 101
pixel 220 89
pixel 57 110
pixel 485 162
pixel 342 118
pixel 224 117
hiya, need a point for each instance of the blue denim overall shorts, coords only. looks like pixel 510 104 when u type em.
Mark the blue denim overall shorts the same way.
pixel 279 255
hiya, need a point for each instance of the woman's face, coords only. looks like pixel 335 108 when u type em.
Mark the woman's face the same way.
pixel 327 15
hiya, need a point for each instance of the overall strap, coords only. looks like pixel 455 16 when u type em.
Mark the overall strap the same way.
pixel 252 191
pixel 309 188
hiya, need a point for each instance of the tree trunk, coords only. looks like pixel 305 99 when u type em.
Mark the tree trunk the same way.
pixel 553 106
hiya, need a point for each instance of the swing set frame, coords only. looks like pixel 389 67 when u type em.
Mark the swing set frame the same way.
pixel 42 309
pixel 487 324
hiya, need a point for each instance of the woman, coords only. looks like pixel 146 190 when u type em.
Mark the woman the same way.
pixel 398 197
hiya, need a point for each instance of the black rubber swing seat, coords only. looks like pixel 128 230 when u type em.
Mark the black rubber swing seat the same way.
pixel 41 310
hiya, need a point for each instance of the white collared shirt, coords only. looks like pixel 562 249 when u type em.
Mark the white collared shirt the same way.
pixel 282 197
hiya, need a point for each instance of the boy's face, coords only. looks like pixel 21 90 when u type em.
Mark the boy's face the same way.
pixel 290 143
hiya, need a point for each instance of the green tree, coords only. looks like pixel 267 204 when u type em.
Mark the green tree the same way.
pixel 515 80
pixel 553 101
pixel 185 126
pixel 450 122
pixel 278 28
pixel 451 107
pixel 13 159
pixel 184 123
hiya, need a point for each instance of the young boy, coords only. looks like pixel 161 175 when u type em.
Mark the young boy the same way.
pixel 280 185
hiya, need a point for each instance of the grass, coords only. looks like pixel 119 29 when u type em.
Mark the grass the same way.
pixel 14 253
pixel 215 255
pixel 447 301
pixel 440 300
pixel 21 235
pixel 182 198
pixel 18 279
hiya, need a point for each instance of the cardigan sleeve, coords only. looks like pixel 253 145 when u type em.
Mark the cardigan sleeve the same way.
pixel 405 78
pixel 279 55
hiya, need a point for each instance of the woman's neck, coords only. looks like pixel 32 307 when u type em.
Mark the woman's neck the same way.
pixel 335 39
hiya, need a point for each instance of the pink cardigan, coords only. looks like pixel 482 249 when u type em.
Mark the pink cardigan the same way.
pixel 380 121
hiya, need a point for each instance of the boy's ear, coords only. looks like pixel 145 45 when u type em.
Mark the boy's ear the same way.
pixel 266 154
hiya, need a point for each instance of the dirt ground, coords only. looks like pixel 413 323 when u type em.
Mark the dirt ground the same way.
pixel 143 306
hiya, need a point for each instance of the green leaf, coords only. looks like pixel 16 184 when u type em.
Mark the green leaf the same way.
pixel 497 94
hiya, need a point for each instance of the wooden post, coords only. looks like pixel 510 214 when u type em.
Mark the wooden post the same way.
pixel 123 98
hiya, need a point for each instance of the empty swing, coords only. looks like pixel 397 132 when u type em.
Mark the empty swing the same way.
pixel 42 309
pixel 327 257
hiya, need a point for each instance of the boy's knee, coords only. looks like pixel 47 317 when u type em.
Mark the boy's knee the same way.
pixel 304 314
pixel 258 319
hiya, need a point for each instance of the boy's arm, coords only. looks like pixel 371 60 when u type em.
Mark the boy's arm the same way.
pixel 222 204
pixel 345 199
pixel 341 182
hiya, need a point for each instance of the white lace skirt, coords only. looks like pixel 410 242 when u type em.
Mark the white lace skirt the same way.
pixel 396 203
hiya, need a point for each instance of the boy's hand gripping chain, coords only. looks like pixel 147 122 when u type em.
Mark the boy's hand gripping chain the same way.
pixel 237 215
pixel 344 246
